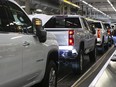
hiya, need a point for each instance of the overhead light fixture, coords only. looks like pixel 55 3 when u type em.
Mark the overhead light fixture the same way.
pixel 23 7
pixel 111 5
pixel 38 10
pixel 90 19
pixel 95 8
pixel 70 3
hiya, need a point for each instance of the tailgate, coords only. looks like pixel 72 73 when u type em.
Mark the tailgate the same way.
pixel 61 36
pixel 98 31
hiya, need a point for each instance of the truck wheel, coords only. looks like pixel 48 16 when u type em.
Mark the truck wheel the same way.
pixel 92 55
pixel 50 78
pixel 77 65
pixel 102 46
pixel 111 42
pixel 107 44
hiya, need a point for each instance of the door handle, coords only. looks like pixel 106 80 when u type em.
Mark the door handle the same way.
pixel 26 43
pixel 39 60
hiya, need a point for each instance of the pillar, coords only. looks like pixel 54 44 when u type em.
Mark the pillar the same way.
pixel 18 1
pixel 27 6
pixel 68 9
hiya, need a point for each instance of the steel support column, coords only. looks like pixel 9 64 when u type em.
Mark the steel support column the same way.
pixel 68 9
pixel 18 1
pixel 62 8
pixel 27 6
pixel 82 10
pixel 86 12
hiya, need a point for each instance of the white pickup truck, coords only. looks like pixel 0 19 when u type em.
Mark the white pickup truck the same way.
pixel 28 54
pixel 102 35
pixel 75 38
pixel 109 30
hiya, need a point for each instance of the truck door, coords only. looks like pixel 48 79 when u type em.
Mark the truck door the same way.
pixel 32 49
pixel 105 33
pixel 88 36
pixel 10 50
pixel 91 36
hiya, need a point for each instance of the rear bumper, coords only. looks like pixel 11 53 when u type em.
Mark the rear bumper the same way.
pixel 99 42
pixel 67 52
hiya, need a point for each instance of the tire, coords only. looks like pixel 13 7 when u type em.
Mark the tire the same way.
pixel 102 46
pixel 92 55
pixel 110 42
pixel 50 78
pixel 77 65
pixel 107 46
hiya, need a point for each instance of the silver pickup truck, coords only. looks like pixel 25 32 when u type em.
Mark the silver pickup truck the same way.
pixel 109 30
pixel 75 39
pixel 102 35
pixel 28 54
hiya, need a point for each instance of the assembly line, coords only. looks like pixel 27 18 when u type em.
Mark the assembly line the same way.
pixel 57 43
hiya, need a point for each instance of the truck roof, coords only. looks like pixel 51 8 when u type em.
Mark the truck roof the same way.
pixel 69 16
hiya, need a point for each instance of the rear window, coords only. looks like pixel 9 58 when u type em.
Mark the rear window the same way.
pixel 107 26
pixel 60 22
pixel 97 25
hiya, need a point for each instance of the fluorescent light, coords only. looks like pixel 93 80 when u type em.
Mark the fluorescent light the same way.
pixel 94 8
pixel 38 10
pixel 70 3
pixel 23 7
pixel 111 5
pixel 85 2
pixel 89 19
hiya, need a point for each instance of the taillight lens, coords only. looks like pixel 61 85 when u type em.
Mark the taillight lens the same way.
pixel 109 33
pixel 71 37
pixel 98 33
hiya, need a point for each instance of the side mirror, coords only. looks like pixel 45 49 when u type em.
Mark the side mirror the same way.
pixel 40 32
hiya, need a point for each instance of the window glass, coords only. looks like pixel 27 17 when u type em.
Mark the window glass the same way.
pixel 73 23
pixel 3 20
pixel 51 23
pixel 85 23
pixel 107 26
pixel 20 22
pixel 63 22
pixel 97 25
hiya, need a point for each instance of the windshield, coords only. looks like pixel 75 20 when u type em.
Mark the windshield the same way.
pixel 63 22
pixel 107 26
pixel 97 25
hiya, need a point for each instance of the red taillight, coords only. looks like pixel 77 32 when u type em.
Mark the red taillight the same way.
pixel 98 33
pixel 109 33
pixel 71 32
pixel 71 37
